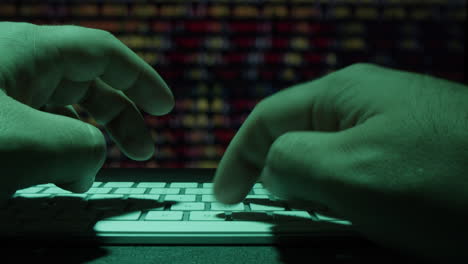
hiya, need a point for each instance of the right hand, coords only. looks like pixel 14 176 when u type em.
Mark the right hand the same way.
pixel 385 149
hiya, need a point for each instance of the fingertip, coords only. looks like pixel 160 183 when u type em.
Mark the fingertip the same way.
pixel 228 194
pixel 81 186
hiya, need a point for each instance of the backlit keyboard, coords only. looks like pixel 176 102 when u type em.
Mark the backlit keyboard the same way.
pixel 154 212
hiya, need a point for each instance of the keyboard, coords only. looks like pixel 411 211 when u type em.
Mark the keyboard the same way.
pixel 158 213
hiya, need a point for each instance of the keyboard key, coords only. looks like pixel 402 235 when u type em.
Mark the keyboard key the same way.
pixel 258 185
pixel 287 216
pixel 184 185
pixel 225 207
pixel 151 184
pixel 180 198
pixel 105 196
pixel 99 190
pixel 261 191
pixel 130 190
pixel 198 191
pixel 260 207
pixel 208 198
pixel 257 196
pixel 145 196
pixel 164 215
pixel 96 184
pixel 188 206
pixel 30 190
pixel 118 184
pixel 125 217
pixel 46 185
pixel 165 191
pixel 207 216
pixel 32 195
pixel 207 185
pixel 55 190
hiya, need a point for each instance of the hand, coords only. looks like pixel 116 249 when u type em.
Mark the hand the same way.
pixel 385 149
pixel 46 69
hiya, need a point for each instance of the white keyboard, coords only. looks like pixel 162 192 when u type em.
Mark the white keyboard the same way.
pixel 159 212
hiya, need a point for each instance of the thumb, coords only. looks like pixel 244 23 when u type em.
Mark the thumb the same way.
pixel 42 147
pixel 305 166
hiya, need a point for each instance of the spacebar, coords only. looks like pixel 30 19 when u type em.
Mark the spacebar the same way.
pixel 166 227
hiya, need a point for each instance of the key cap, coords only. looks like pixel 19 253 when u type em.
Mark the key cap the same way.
pixel 208 198
pixel 165 190
pixel 46 185
pixel 259 207
pixel 164 215
pixel 198 191
pixel 261 191
pixel 130 190
pixel 258 185
pixel 125 216
pixel 184 185
pixel 145 196
pixel 105 196
pixel 180 198
pixel 55 190
pixel 207 216
pixel 99 190
pixel 225 207
pixel 151 184
pixel 286 216
pixel 118 184
pixel 71 195
pixel 188 206
pixel 208 185
pixel 30 190
pixel 32 195
pixel 258 196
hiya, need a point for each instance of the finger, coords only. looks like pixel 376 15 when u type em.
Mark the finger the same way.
pixel 306 166
pixel 121 119
pixel 113 110
pixel 85 183
pixel 86 54
pixel 58 149
pixel 327 104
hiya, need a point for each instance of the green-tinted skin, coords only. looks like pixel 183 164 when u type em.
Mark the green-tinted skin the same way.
pixel 382 148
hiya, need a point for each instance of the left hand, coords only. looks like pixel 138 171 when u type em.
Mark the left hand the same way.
pixel 46 69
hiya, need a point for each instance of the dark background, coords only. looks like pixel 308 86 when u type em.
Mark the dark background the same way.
pixel 221 57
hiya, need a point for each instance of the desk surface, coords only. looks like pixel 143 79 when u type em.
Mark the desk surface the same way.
pixel 200 254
